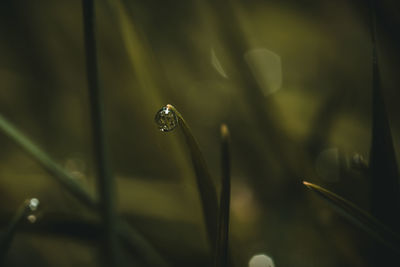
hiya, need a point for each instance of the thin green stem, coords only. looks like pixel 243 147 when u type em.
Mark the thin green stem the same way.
pixel 8 235
pixel 222 246
pixel 105 180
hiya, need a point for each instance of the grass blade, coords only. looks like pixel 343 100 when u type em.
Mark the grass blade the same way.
pixel 383 165
pixel 359 217
pixel 62 177
pixel 205 184
pixel 75 189
pixel 105 180
pixel 222 246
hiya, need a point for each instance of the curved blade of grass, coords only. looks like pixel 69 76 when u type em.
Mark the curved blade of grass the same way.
pixel 383 164
pixel 205 184
pixel 106 185
pixel 359 217
pixel 8 234
pixel 68 182
pixel 222 246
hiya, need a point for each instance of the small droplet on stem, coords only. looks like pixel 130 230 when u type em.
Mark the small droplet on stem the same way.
pixel 166 119
pixel 32 205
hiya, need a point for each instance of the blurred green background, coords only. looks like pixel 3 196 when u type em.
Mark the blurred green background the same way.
pixel 291 79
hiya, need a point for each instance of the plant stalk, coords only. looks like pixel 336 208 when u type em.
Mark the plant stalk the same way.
pixel 105 180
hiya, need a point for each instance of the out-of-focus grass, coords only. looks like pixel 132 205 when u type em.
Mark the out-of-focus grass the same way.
pixel 222 256
pixel 152 53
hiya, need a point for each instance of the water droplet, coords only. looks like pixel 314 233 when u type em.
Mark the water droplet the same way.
pixel 261 260
pixel 166 119
pixel 31 218
pixel 33 204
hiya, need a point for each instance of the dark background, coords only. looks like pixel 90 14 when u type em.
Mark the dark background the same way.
pixel 156 52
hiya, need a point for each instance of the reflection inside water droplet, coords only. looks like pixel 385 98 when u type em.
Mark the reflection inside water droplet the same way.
pixel 166 119
pixel 261 260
